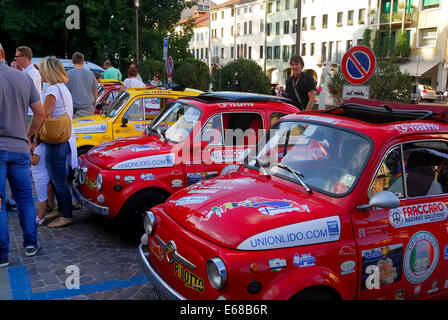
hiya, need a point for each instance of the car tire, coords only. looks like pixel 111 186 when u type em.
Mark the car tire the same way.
pixel 130 219
pixel 315 294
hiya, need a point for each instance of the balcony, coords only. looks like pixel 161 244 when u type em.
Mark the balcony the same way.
pixel 397 18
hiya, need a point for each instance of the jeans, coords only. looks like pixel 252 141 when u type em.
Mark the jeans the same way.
pixel 16 167
pixel 56 157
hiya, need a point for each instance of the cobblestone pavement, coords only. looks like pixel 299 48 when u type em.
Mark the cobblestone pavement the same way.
pixel 108 264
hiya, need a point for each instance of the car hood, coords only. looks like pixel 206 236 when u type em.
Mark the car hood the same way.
pixel 90 124
pixel 263 213
pixel 138 152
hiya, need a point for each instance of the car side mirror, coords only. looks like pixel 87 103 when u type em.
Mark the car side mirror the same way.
pixel 124 122
pixel 383 199
pixel 99 106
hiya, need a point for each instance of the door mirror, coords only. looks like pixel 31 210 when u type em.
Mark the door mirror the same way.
pixel 124 122
pixel 383 199
pixel 99 106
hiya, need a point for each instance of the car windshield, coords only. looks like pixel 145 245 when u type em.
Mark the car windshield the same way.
pixel 317 156
pixel 118 103
pixel 176 121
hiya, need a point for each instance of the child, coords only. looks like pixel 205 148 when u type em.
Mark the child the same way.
pixel 41 182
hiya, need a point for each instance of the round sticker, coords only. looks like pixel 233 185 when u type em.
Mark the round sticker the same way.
pixel 421 257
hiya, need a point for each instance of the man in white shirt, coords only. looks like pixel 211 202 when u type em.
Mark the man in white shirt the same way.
pixel 23 59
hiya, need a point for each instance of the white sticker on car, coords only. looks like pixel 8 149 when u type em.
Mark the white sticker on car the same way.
pixel 158 161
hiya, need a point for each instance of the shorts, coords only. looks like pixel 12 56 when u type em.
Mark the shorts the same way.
pixel 41 191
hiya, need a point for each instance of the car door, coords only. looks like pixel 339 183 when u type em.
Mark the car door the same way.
pixel 401 249
pixel 138 115
pixel 226 138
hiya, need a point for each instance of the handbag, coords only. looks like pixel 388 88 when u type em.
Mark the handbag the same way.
pixel 56 130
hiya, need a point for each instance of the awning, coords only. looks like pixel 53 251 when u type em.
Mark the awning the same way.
pixel 417 68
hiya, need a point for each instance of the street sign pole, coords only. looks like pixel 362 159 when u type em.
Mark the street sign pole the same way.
pixel 165 48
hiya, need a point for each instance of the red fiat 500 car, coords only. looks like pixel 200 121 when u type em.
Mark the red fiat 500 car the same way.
pixel 348 203
pixel 186 143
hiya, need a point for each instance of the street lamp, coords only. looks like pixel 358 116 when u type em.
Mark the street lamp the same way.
pixel 137 5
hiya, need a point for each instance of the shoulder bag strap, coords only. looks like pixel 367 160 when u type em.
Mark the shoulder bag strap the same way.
pixel 63 100
pixel 295 90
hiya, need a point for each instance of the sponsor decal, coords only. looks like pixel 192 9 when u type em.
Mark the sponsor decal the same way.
pixel 227 155
pixel 176 183
pixel 191 280
pixel 265 206
pixel 277 264
pixel 294 235
pixel 192 199
pixel 305 260
pixel 87 137
pixel 373 230
pixel 93 128
pixel 203 191
pixel 399 295
pixel 417 291
pixel 129 179
pixel 347 251
pixel 158 161
pixel 434 286
pixel 410 128
pixel 387 259
pixel 91 183
pixel 418 214
pixel 229 169
pixel 236 104
pixel 196 177
pixel 421 257
pixel 348 267
pixel 140 126
pixel 156 250
pixel 176 173
pixel 147 176
pixel 85 121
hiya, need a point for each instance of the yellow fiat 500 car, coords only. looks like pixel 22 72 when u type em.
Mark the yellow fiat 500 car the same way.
pixel 128 115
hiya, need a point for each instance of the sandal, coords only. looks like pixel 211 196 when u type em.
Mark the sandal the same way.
pixel 53 215
pixel 61 222
pixel 52 208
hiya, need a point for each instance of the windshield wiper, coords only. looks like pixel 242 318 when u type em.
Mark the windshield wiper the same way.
pixel 261 165
pixel 296 173
pixel 160 132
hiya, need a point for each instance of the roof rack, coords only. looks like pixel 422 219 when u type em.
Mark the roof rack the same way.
pixel 233 96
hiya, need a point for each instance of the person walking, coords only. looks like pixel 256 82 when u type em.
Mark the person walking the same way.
pixel 57 101
pixel 300 87
pixel 156 80
pixel 83 87
pixel 17 92
pixel 111 72
pixel 131 81
pixel 23 58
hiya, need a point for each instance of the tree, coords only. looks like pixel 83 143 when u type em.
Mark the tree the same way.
pixel 241 75
pixel 192 73
pixel 387 84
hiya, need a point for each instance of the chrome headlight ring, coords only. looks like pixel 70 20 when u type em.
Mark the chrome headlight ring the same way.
pixel 217 273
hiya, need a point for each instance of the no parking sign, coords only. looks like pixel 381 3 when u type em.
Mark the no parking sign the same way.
pixel 169 65
pixel 358 64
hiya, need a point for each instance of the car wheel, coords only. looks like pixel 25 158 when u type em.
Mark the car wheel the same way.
pixel 130 219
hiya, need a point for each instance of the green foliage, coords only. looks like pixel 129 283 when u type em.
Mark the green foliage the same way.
pixel 107 29
pixel 192 73
pixel 366 37
pixel 241 75
pixel 149 67
pixel 403 49
pixel 387 84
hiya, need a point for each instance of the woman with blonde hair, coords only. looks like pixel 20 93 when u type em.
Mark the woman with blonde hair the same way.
pixel 58 100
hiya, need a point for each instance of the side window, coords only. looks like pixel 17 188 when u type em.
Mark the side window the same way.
pixel 426 168
pixel 110 97
pixel 275 116
pixel 135 111
pixel 241 128
pixel 212 131
pixel 390 175
pixel 152 107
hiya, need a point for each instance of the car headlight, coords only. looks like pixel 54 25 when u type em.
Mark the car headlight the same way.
pixel 99 181
pixel 149 222
pixel 82 175
pixel 217 273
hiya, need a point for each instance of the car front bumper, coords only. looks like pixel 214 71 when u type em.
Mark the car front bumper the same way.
pixel 91 206
pixel 161 286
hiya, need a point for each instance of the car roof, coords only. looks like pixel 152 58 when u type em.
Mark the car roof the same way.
pixel 231 99
pixel 162 90
pixel 380 119
pixel 68 64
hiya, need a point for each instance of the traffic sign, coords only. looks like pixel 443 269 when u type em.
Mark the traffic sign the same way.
pixel 169 65
pixel 165 48
pixel 358 64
